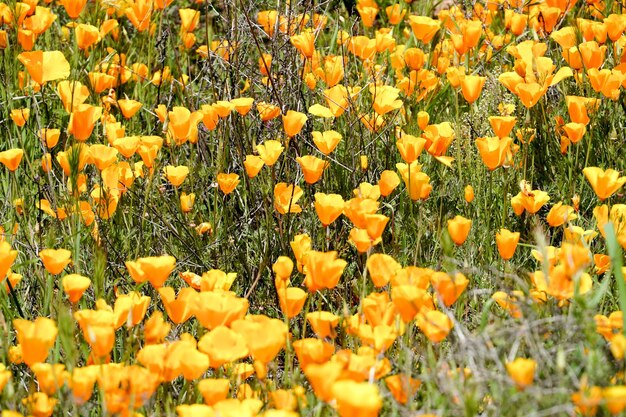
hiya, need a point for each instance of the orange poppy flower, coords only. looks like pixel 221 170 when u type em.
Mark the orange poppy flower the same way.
pixel 328 207
pixel 269 151
pixel 410 147
pixel 50 377
pixel 323 270
pixel 502 125
pixel 522 371
pixel 176 174
pixel 242 105
pixel 424 28
pixel 312 167
pixel 223 345
pixel 179 309
pixel 20 116
pixel 285 198
pixel 227 182
pixel 604 182
pixel 304 43
pixel 213 390
pixel 435 325
pixel 323 323
pixel 507 243
pixel 459 228
pixel 55 260
pixel 265 337
pixel 36 338
pixel 402 387
pixel 322 375
pixel 218 308
pixel 388 182
pixel 267 111
pixel 82 121
pixel 155 269
pixel 7 257
pixel 326 141
pixel 494 150
pixel 447 288
pixel 74 286
pixel 293 122
pixel 416 181
pixel 253 165
pixel 291 300
pixel 472 86
pixel 187 201
pixel 356 399
pixel 44 66
pixel 312 351
pixel 129 107
pixel 11 158
pixel 156 329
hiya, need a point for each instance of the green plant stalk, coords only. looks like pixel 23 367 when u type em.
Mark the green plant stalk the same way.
pixel 615 252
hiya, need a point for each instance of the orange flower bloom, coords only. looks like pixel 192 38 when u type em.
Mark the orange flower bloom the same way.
pixel 304 43
pixel 291 300
pixel 356 399
pixel 44 66
pixel 522 371
pixel 459 228
pixel 265 337
pixel 214 390
pixel 20 116
pixel 402 387
pixel 82 121
pixel 435 325
pixel 472 86
pixel 227 182
pixel 604 183
pixel 253 165
pixel 507 243
pixel 323 270
pixel 424 28
pixel 410 147
pixel 179 309
pixel 36 338
pixel 417 182
pixel 494 150
pixel 328 207
pixel 155 269
pixel 285 198
pixel 11 158
pixel 326 141
pixel 270 151
pixel 293 122
pixel 323 323
pixel 218 308
pixel 223 345
pixel 129 107
pixel 382 268
pixel 312 167
pixel 176 174
pixel 74 286
pixel 447 288
pixel 55 260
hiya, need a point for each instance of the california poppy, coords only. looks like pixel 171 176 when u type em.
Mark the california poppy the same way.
pixel 270 151
pixel 43 66
pixel 36 338
pixel 507 243
pixel 74 286
pixel 522 371
pixel 604 182
pixel 55 260
pixel 227 182
pixel 155 269
pixel 11 158
pixel 293 122
pixel 328 207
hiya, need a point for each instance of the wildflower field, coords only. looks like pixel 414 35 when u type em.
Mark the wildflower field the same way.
pixel 312 207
